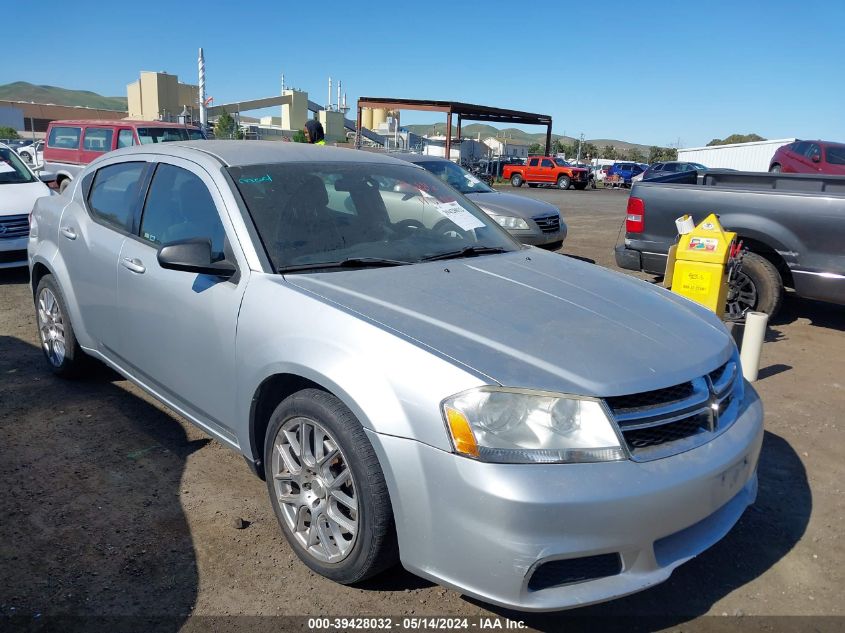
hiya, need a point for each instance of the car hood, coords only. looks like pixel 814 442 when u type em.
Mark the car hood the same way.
pixel 19 198
pixel 509 204
pixel 536 320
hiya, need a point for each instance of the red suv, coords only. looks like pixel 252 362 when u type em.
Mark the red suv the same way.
pixel 810 157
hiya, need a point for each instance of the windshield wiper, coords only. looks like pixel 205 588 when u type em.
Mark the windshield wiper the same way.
pixel 467 251
pixel 349 262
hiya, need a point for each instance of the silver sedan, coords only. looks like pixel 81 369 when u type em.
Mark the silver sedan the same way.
pixel 532 430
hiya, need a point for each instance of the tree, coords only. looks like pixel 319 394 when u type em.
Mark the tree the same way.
pixel 609 152
pixel 736 138
pixel 225 126
pixel 8 132
pixel 536 148
pixel 635 155
pixel 299 137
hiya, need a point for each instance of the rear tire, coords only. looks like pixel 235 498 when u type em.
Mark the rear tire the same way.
pixel 319 516
pixel 563 182
pixel 55 332
pixel 775 169
pixel 516 180
pixel 758 287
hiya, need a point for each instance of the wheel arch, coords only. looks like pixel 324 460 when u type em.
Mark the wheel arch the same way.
pixel 769 253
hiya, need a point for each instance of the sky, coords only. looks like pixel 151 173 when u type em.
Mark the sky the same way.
pixel 656 73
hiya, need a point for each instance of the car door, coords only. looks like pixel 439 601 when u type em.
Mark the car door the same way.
pixel 92 230
pixel 546 173
pixel 178 328
pixel 532 170
pixel 813 158
pixel 794 158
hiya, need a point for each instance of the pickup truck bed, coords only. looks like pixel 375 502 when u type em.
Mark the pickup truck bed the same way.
pixel 794 223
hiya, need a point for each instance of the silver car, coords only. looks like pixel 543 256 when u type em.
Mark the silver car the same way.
pixel 528 220
pixel 535 431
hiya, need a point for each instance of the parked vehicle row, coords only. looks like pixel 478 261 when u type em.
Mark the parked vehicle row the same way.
pixel 407 393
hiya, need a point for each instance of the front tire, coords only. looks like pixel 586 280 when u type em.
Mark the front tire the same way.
pixel 758 287
pixel 516 180
pixel 327 488
pixel 563 182
pixel 55 332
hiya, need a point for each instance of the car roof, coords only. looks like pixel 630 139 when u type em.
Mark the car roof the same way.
pixel 239 153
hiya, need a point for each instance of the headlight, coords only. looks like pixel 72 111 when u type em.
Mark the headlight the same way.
pixel 507 222
pixel 520 426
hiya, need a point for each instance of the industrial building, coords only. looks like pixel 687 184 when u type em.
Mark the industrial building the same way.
pixel 159 96
pixel 507 147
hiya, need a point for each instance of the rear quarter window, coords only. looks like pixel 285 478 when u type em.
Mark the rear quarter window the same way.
pixel 64 137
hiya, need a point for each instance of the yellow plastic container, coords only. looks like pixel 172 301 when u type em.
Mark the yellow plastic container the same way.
pixel 700 270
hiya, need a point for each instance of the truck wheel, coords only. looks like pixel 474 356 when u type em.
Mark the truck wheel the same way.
pixel 775 169
pixel 758 287
pixel 516 180
pixel 563 182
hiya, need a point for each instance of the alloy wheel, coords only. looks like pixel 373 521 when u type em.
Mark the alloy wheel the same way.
pixel 742 296
pixel 315 489
pixel 51 327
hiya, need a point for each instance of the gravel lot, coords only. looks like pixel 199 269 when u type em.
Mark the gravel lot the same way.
pixel 113 505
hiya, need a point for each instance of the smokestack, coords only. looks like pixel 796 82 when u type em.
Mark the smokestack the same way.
pixel 338 94
pixel 201 69
pixel 344 101
pixel 329 104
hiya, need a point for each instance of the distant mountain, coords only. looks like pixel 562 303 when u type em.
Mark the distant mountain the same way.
pixel 24 91
pixel 472 130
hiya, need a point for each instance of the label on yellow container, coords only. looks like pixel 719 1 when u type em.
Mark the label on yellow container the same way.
pixel 708 244
pixel 695 283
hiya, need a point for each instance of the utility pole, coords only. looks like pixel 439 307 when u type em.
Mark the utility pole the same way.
pixel 580 141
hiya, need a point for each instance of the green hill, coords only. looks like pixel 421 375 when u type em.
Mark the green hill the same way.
pixel 24 91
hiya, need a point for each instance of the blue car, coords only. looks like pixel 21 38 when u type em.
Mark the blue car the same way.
pixel 626 171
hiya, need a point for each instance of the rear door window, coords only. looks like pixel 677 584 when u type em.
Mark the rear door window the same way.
pixel 546 163
pixel 179 207
pixel 125 138
pixel 114 194
pixel 533 162
pixel 97 139
pixel 64 137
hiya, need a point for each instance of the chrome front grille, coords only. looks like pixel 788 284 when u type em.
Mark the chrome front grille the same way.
pixel 548 223
pixel 674 419
pixel 14 226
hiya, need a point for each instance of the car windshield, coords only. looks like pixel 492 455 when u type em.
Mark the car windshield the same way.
pixel 836 154
pixel 12 169
pixel 313 216
pixel 455 176
pixel 149 135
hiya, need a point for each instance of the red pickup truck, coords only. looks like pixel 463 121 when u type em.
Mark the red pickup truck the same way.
pixel 546 170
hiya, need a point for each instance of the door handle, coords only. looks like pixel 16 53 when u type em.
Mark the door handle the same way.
pixel 133 264
pixel 68 232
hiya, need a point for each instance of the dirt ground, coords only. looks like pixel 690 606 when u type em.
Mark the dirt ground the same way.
pixel 113 505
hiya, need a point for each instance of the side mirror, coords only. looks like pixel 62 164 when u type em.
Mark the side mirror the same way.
pixel 46 176
pixel 193 256
pixel 816 158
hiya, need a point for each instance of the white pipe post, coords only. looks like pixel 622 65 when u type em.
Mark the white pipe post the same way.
pixel 329 104
pixel 753 336
pixel 201 68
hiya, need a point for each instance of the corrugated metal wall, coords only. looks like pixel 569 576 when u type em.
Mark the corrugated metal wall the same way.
pixel 741 156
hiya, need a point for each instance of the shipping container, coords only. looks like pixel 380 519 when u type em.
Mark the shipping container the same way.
pixel 754 156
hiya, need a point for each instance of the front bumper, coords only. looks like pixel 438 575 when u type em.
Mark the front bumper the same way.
pixel 536 237
pixel 484 528
pixel 13 252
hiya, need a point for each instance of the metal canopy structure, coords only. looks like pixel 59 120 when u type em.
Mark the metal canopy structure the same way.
pixel 464 111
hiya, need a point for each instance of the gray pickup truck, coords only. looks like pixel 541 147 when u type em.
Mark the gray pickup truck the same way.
pixel 793 226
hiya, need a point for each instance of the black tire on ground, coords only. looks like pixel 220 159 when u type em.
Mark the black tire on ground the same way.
pixel 758 287
pixel 64 184
pixel 52 318
pixel 581 186
pixel 775 169
pixel 516 180
pixel 563 182
pixel 375 548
